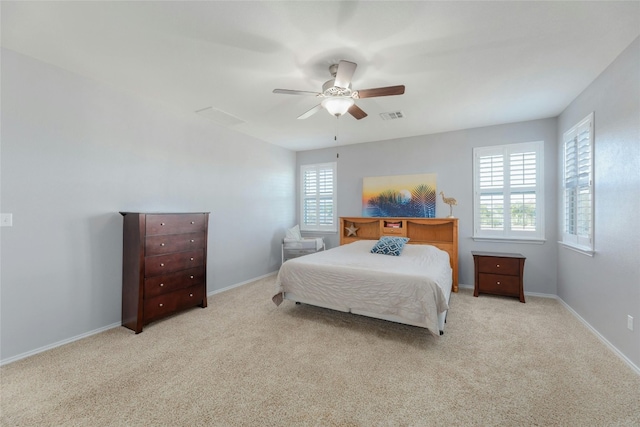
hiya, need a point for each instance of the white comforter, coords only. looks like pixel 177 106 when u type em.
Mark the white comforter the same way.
pixel 351 278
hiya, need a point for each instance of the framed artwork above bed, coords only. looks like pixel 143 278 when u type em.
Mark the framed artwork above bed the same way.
pixel 399 196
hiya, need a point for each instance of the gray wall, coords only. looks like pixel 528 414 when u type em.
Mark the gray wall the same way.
pixel 449 155
pixel 605 288
pixel 74 154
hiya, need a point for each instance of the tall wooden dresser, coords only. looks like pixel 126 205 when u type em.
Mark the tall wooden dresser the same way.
pixel 164 265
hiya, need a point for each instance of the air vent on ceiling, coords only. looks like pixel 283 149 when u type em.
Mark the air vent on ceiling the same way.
pixel 392 115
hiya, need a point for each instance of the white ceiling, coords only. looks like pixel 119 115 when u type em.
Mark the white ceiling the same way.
pixel 464 64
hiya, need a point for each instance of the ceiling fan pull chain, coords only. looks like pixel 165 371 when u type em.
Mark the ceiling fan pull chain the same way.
pixel 335 138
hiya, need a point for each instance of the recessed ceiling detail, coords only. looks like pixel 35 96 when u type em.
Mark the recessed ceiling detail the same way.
pixel 220 117
pixel 465 64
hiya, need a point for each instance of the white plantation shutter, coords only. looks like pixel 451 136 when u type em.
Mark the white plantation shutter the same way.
pixel 491 195
pixel 318 197
pixel 578 185
pixel 523 179
pixel 508 187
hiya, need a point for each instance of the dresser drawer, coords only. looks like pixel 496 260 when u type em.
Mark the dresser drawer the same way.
pixel 496 265
pixel 164 244
pixel 173 301
pixel 163 264
pixel 499 284
pixel 159 285
pixel 174 223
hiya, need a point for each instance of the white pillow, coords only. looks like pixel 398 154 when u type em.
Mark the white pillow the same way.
pixel 294 233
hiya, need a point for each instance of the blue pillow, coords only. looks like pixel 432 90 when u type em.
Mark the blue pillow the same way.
pixel 388 245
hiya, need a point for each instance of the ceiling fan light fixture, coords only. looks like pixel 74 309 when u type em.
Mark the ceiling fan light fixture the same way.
pixel 337 105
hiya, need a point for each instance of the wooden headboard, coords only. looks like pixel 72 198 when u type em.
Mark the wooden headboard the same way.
pixel 439 232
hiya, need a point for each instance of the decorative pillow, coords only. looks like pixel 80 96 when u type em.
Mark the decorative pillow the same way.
pixel 294 233
pixel 388 245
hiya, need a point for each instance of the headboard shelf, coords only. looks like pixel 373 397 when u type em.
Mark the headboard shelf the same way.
pixel 439 232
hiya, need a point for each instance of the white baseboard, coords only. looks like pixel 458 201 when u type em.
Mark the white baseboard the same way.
pixel 57 344
pixel 228 288
pixel 217 291
pixel 111 326
pixel 584 322
pixel 600 337
pixel 533 294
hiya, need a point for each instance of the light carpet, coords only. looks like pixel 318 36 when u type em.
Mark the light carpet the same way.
pixel 245 362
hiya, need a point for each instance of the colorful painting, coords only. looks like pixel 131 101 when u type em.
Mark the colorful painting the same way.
pixel 399 196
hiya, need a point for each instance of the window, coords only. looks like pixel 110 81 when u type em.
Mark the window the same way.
pixel 509 192
pixel 318 197
pixel 578 186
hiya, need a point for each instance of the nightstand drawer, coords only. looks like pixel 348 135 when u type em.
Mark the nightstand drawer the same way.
pixel 508 266
pixel 499 273
pixel 499 284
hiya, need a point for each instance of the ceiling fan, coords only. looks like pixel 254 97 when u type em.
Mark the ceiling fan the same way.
pixel 338 96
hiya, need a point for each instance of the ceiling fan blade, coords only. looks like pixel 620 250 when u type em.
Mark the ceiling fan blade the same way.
pixel 311 112
pixel 380 91
pixel 357 112
pixel 345 73
pixel 295 92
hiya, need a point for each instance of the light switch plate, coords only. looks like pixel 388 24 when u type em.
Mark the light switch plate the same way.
pixel 6 220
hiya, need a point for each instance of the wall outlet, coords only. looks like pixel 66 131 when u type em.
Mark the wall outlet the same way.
pixel 630 322
pixel 6 220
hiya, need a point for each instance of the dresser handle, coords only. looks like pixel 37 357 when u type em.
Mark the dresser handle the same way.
pixel 192 222
pixel 161 305
pixel 191 259
pixel 162 223
pixel 497 283
pixel 192 240
pixel 190 295
pixel 161 284
pixel 161 244
pixel 162 264
pixel 497 265
pixel 191 277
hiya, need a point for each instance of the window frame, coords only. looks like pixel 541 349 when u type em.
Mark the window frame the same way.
pixel 583 243
pixel 317 196
pixel 507 190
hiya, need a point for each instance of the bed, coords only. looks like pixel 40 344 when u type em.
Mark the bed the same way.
pixel 413 288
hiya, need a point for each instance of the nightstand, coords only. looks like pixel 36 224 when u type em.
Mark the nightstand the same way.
pixel 499 274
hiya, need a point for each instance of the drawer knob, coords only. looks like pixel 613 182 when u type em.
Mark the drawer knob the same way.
pixel 192 240
pixel 161 244
pixel 161 304
pixel 192 222
pixel 191 277
pixel 162 223
pixel 190 295
pixel 162 264
pixel 497 265
pixel 497 283
pixel 161 284
pixel 192 259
